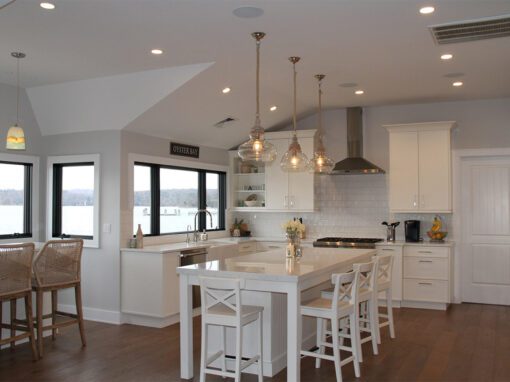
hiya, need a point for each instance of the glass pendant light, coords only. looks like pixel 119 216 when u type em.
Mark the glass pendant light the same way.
pixel 15 134
pixel 257 148
pixel 294 160
pixel 320 163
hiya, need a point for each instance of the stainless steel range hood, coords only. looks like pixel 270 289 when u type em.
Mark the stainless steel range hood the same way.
pixel 355 163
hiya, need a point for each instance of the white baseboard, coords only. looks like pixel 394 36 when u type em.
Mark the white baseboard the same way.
pixel 425 305
pixel 135 318
pixel 93 314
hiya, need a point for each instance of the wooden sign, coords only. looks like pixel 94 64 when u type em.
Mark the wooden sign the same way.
pixel 184 150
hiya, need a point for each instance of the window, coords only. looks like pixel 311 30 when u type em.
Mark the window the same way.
pixel 15 199
pixel 166 199
pixel 74 198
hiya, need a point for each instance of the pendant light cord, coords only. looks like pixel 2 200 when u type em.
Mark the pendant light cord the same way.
pixel 295 99
pixel 257 87
pixel 17 90
pixel 320 109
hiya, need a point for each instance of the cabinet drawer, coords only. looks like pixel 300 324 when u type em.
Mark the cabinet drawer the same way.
pixel 426 290
pixel 248 247
pixel 425 267
pixel 416 250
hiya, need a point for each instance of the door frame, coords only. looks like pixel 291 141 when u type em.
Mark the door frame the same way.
pixel 459 156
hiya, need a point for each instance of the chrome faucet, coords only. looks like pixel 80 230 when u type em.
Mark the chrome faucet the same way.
pixel 195 232
pixel 188 229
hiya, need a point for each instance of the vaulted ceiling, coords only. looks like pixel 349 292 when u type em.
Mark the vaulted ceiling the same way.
pixel 97 52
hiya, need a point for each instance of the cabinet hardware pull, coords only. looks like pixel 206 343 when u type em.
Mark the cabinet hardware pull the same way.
pixel 425 261
pixel 424 251
pixel 425 283
pixel 387 249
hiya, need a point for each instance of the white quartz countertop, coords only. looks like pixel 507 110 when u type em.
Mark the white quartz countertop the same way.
pixel 178 247
pixel 446 243
pixel 274 266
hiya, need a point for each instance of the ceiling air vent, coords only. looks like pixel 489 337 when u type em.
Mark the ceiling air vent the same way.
pixel 471 30
pixel 224 122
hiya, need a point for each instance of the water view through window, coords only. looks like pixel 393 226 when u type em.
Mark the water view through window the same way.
pixel 12 194
pixel 78 200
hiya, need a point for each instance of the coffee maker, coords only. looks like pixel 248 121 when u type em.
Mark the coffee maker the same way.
pixel 412 230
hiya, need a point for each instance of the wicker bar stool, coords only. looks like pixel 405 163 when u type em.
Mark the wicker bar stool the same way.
pixel 15 283
pixel 58 266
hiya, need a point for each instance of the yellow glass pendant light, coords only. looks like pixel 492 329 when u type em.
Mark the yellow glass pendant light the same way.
pixel 15 134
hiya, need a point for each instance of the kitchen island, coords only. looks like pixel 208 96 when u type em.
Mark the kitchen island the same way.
pixel 268 273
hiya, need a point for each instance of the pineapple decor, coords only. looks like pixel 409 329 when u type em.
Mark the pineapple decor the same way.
pixel 438 230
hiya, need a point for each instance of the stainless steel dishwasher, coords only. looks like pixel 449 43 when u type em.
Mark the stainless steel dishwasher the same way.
pixel 194 256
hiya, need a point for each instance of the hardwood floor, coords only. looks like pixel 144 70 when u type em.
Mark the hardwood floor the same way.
pixel 469 342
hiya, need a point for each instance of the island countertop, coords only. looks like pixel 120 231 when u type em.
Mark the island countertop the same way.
pixel 274 266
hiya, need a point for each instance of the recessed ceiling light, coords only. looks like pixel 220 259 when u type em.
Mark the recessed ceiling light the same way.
pixel 359 92
pixel 446 56
pixel 156 51
pixel 48 6
pixel 226 90
pixel 273 108
pixel 458 83
pixel 427 10
pixel 248 12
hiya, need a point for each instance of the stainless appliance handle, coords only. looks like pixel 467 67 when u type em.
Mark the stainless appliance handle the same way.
pixel 194 252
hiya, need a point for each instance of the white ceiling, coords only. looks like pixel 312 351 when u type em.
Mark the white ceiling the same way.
pixel 383 45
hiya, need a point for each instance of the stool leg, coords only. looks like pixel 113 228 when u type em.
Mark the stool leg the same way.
pixel 261 350
pixel 377 327
pixel 224 348
pixel 354 344
pixel 336 349
pixel 358 333
pixel 1 319
pixel 389 306
pixel 13 317
pixel 39 310
pixel 54 303
pixel 203 358
pixel 373 329
pixel 30 324
pixel 239 352
pixel 321 338
pixel 79 311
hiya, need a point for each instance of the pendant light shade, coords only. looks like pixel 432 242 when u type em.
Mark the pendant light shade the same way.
pixel 294 160
pixel 320 163
pixel 15 134
pixel 257 149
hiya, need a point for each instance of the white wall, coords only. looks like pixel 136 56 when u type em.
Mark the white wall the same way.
pixel 480 124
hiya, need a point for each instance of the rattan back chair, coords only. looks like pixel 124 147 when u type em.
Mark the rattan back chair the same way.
pixel 58 266
pixel 15 283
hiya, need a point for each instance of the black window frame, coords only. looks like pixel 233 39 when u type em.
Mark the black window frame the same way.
pixel 27 201
pixel 155 192
pixel 56 223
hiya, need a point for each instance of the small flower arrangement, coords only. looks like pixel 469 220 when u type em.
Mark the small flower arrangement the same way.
pixel 293 227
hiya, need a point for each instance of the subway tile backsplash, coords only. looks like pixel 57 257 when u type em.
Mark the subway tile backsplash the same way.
pixel 347 205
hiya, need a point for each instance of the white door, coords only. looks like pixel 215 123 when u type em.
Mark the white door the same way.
pixel 434 171
pixel 277 181
pixel 404 171
pixel 485 247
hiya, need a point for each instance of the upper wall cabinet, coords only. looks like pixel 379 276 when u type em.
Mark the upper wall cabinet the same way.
pixel 420 167
pixel 272 188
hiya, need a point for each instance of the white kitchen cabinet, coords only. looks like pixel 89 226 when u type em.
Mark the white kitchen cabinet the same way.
pixel 420 167
pixel 289 191
pixel 396 274
pixel 427 276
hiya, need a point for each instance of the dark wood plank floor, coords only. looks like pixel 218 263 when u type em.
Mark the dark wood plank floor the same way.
pixel 467 343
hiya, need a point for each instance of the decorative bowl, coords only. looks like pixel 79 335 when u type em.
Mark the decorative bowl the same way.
pixel 250 203
pixel 437 236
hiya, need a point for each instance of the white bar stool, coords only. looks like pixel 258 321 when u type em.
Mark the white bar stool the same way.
pixel 367 298
pixel 342 305
pixel 221 306
pixel 383 284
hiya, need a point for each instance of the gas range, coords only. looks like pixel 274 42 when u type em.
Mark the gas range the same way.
pixel 346 242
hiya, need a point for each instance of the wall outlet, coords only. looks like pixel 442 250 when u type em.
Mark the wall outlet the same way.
pixel 107 228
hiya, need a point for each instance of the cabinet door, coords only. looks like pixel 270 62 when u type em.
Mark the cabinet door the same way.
pixel 301 184
pixel 277 181
pixel 403 171
pixel 434 170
